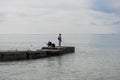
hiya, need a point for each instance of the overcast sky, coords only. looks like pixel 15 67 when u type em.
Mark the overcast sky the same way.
pixel 59 16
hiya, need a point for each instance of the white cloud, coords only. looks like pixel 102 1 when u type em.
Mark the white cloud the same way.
pixel 52 16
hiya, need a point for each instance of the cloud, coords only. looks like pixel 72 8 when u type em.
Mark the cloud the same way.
pixel 117 23
pixel 65 16
pixel 108 6
pixel 2 17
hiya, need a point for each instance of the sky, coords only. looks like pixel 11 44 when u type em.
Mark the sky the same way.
pixel 59 16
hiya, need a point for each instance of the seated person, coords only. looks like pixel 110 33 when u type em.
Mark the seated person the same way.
pixel 49 44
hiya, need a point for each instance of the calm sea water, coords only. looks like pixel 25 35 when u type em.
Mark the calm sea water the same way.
pixel 97 57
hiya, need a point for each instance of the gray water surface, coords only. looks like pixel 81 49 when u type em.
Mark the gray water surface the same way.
pixel 97 57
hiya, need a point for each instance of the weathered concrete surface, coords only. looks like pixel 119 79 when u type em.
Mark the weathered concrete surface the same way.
pixel 21 55
pixel 44 52
pixel 64 49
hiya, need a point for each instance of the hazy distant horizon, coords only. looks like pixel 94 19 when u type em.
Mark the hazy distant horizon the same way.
pixel 64 34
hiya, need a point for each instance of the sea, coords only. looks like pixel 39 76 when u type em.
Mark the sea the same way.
pixel 96 57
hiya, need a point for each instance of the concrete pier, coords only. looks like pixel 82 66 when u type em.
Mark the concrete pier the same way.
pixel 28 54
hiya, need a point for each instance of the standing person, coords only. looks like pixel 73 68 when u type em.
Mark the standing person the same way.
pixel 59 39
